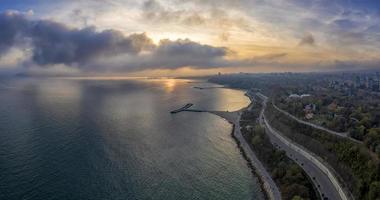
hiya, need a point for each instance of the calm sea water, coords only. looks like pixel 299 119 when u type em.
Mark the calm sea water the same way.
pixel 115 139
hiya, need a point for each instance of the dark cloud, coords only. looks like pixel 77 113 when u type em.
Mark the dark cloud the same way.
pixel 308 39
pixel 171 55
pixel 11 26
pixel 186 47
pixel 54 43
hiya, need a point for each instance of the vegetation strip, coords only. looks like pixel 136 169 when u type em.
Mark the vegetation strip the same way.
pixel 291 179
pixel 351 161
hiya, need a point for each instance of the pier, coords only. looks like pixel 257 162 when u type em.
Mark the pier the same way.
pixel 209 87
pixel 186 108
pixel 183 108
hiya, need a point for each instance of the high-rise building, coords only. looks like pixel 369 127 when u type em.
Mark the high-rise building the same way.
pixel 357 81
pixel 371 83
pixel 376 86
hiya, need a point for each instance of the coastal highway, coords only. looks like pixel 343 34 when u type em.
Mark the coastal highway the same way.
pixel 320 174
pixel 268 184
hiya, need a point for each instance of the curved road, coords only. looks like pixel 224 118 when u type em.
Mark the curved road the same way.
pixel 322 177
pixel 340 134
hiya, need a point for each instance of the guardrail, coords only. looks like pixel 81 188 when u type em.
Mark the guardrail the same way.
pixel 312 158
pixel 309 155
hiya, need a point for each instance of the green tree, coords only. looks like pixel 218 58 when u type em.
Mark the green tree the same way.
pixel 374 191
pixel 297 198
pixel 372 140
pixel 358 132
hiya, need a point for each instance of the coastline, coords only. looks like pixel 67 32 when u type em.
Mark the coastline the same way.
pixel 269 188
pixel 264 185
pixel 267 184
pixel 249 163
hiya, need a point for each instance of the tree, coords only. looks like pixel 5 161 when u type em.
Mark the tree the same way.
pixel 358 132
pixel 258 130
pixel 365 122
pixel 372 140
pixel 297 198
pixel 374 191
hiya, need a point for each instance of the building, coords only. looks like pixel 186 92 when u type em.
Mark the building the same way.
pixel 297 96
pixel 294 96
pixel 371 83
pixel 309 116
pixel 357 81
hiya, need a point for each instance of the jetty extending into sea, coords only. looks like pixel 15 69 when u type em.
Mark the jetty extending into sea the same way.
pixel 183 108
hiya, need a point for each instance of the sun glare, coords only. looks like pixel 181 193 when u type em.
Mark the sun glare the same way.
pixel 170 85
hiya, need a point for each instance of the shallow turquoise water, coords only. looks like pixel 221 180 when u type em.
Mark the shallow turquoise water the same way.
pixel 115 139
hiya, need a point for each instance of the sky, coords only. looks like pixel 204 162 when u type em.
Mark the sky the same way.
pixel 187 37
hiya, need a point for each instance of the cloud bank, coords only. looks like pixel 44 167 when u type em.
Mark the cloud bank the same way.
pixel 267 35
pixel 51 43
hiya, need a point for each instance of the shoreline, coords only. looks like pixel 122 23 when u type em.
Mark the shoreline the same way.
pixel 267 184
pixel 249 164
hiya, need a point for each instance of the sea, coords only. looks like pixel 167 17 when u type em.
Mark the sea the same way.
pixel 114 138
